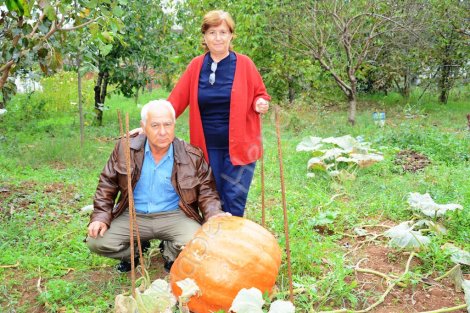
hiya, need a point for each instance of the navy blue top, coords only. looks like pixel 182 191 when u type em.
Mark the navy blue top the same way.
pixel 214 100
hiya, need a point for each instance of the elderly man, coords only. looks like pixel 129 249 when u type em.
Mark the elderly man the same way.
pixel 174 191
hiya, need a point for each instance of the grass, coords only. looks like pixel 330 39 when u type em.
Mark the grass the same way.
pixel 45 178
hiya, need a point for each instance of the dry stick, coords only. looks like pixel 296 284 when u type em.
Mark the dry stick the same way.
pixel 374 272
pixel 121 131
pixel 11 266
pixel 284 206
pixel 132 214
pixel 131 202
pixel 455 308
pixel 447 273
pixel 382 297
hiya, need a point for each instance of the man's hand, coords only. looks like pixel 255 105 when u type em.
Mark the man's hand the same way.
pixel 220 214
pixel 96 228
pixel 261 106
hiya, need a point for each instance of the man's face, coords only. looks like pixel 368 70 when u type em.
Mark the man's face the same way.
pixel 159 128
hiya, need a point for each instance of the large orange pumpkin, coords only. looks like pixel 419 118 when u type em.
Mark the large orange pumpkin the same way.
pixel 227 254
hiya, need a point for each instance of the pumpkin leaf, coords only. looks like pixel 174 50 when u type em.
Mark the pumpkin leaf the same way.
pixel 317 164
pixel 247 301
pixel 157 298
pixel 457 277
pixel 366 160
pixel 466 290
pixel 426 205
pixel 457 255
pixel 125 304
pixel 431 226
pixel 323 218
pixel 346 142
pixel 310 144
pixel 189 288
pixel 280 306
pixel 403 236
pixel 360 231
pixel 341 150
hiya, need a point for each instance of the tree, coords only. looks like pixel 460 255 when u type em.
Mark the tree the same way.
pixel 340 35
pixel 29 28
pixel 401 56
pixel 451 43
pixel 143 49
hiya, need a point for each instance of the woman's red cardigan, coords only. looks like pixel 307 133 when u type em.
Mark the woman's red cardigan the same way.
pixel 245 141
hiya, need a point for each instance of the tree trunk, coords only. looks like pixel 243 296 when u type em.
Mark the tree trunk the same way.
pixel 80 102
pixel 446 72
pixel 352 107
pixel 290 84
pixel 406 85
pixel 2 100
pixel 444 80
pixel 100 96
pixel 3 80
pixel 136 96
pixel 444 95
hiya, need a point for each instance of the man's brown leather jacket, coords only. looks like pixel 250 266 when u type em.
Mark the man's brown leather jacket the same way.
pixel 191 177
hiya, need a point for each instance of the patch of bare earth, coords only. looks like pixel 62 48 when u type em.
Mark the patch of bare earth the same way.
pixel 420 296
pixel 411 161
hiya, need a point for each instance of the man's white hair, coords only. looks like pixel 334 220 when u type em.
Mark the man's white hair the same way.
pixel 154 104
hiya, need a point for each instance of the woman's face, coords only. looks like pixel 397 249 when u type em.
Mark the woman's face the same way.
pixel 218 38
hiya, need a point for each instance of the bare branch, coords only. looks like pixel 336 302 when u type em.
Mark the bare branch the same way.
pixel 6 66
pixel 36 26
pixel 80 26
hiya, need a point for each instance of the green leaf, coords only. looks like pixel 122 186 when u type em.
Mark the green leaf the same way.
pixel 106 49
pixel 12 5
pixel 107 36
pixel 50 12
pixel 323 218
pixel 92 4
pixel 118 12
pixel 25 5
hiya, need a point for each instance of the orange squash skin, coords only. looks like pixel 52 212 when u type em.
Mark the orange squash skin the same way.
pixel 227 254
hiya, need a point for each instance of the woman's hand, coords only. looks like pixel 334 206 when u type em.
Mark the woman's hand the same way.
pixel 261 106
pixel 136 131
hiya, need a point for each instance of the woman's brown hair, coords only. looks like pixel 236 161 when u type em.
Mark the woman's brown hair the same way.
pixel 215 18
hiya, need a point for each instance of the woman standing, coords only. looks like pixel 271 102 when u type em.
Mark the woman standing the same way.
pixel 226 95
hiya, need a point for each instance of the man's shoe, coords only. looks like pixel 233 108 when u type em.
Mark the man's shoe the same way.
pixel 126 266
pixel 145 246
pixel 161 247
pixel 167 266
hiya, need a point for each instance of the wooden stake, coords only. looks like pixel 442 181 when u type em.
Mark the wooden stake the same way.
pixel 263 208
pixel 132 214
pixel 284 205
